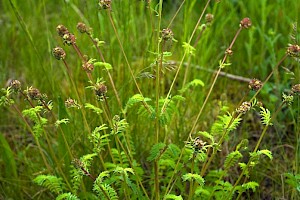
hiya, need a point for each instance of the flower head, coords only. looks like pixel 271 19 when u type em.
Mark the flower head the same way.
pixel 82 28
pixel 88 67
pixel 34 93
pixel 59 53
pixel 15 85
pixel 71 103
pixel 296 89
pixel 61 30
pixel 69 39
pixel 209 18
pixel 255 84
pixel 245 107
pixel 246 23
pixel 293 50
pixel 167 34
pixel 100 90
pixel 105 4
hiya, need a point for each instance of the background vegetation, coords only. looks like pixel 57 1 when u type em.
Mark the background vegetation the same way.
pixel 28 35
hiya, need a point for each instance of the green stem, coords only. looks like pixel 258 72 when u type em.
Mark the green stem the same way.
pixel 126 59
pixel 183 57
pixel 255 149
pixel 108 73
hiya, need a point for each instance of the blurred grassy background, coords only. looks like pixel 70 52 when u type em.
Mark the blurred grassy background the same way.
pixel 28 34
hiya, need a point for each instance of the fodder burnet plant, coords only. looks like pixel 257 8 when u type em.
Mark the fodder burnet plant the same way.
pixel 89 141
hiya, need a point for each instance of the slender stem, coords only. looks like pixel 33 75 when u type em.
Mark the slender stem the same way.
pixel 183 57
pixel 108 73
pixel 256 148
pixel 190 58
pixel 77 94
pixel 126 59
pixel 213 83
pixel 157 91
pixel 36 139
pixel 169 92
pixel 192 186
pixel 270 75
pixel 175 15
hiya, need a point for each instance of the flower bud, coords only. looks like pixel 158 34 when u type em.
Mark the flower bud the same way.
pixel 245 23
pixel 255 84
pixel 59 53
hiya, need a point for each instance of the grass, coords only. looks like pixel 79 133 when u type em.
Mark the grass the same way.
pixel 121 143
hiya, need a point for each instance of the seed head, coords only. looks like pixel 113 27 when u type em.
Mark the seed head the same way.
pixel 69 38
pixel 77 163
pixel 105 4
pixel 61 30
pixel 296 89
pixel 88 67
pixel 209 18
pixel 34 93
pixel 229 52
pixel 15 85
pixel 100 90
pixel 245 23
pixel 288 98
pixel 293 51
pixel 245 107
pixel 198 144
pixel 167 34
pixel 82 28
pixel 255 84
pixel 71 103
pixel 59 53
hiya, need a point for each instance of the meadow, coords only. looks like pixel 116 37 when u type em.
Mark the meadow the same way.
pixel 149 99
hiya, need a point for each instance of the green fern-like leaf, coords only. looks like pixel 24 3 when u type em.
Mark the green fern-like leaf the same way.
pixel 99 141
pixel 169 109
pixel 225 122
pixel 119 126
pixel 242 145
pixel 244 167
pixel 196 177
pixel 95 109
pixel 155 151
pixel 293 180
pixel 189 49
pixel 105 191
pixel 193 83
pixel 265 152
pixel 255 156
pixel 39 122
pixel 107 66
pixel 223 185
pixel 67 196
pixel 137 98
pixel 232 159
pixel 53 183
pixel 169 157
pixel 120 157
pixel 61 121
pixel 173 150
pixel 5 96
pixel 86 159
pixel 206 135
pixel 202 193
pixel 77 176
pixel 265 116
pixel 173 196
pixel 250 185
pixel 76 171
